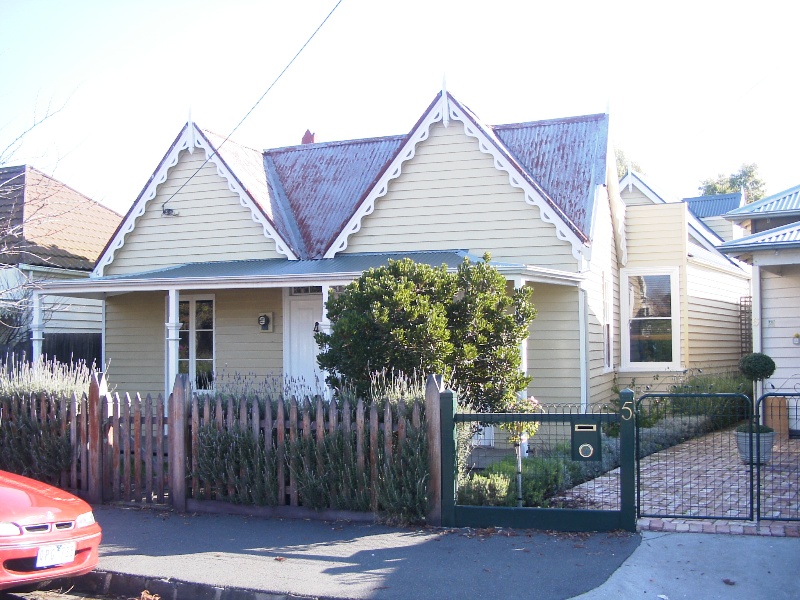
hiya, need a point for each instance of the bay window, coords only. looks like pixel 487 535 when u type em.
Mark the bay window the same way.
pixel 651 319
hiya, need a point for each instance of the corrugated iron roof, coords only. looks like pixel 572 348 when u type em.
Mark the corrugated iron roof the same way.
pixel 278 267
pixel 323 183
pixel 785 203
pixel 567 157
pixel 309 192
pixel 787 236
pixel 713 206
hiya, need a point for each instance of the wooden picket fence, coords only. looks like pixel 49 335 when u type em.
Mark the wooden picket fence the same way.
pixel 64 416
pixel 110 437
pixel 277 425
pixel 125 448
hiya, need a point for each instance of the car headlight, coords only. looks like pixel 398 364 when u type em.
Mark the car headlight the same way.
pixel 9 529
pixel 84 520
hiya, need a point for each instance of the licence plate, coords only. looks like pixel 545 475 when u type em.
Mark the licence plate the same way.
pixel 55 554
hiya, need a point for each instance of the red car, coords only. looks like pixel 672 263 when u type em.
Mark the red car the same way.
pixel 45 533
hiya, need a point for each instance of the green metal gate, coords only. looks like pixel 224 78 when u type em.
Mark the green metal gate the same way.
pixel 575 435
pixel 687 463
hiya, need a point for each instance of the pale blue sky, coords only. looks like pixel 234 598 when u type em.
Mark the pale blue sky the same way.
pixel 694 88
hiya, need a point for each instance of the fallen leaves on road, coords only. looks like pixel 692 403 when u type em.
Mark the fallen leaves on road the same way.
pixel 146 595
pixel 728 582
pixel 280 558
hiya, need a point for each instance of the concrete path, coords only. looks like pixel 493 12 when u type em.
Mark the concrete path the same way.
pixel 673 566
pixel 222 556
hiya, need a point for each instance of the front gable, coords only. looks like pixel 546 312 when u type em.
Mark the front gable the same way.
pixel 451 195
pixel 193 209
pixel 453 184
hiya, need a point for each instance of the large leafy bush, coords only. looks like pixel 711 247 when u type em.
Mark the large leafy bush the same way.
pixel 413 317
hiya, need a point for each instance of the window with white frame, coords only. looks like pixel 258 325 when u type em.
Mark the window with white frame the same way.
pixel 651 319
pixel 196 344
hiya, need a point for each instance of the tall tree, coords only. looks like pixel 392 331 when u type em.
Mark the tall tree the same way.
pixel 746 178
pixel 623 162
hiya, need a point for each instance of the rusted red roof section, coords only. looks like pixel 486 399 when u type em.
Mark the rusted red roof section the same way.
pixel 317 187
pixel 566 157
pixel 320 184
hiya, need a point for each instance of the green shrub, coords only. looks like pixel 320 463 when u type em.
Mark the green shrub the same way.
pixel 403 485
pixel 492 489
pixel 234 457
pixel 338 483
pixel 756 366
pixel 34 449
pixel 542 478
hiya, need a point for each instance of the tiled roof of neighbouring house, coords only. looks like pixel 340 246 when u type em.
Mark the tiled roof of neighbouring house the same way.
pixel 53 225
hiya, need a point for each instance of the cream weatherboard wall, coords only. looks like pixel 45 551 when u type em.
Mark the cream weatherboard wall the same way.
pixel 240 346
pixel 780 321
pixel 136 337
pixel 67 315
pixel 713 296
pixel 450 196
pixel 634 197
pixel 554 344
pixel 210 225
pixel 602 303
pixel 657 237
pixel 724 228
pixel 134 350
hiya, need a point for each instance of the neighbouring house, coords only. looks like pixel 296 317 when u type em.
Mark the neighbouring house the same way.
pixel 711 211
pixel 774 251
pixel 225 260
pixel 49 232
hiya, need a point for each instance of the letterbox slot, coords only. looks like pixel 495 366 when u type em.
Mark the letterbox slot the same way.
pixel 585 427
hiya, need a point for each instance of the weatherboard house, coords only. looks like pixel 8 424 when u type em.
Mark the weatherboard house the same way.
pixel 50 232
pixel 226 259
pixel 773 248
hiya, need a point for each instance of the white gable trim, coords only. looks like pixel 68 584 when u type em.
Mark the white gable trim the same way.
pixel 407 152
pixel 434 115
pixel 579 250
pixel 188 140
pixel 631 179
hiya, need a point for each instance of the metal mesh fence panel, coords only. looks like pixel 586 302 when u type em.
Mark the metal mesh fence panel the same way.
pixel 688 463
pixel 778 453
pixel 549 475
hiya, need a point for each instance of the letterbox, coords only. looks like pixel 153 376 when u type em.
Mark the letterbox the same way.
pixel 586 440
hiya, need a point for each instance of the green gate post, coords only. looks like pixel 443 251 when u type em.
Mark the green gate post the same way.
pixel 447 401
pixel 627 459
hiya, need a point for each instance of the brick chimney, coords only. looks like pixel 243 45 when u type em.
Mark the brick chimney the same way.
pixel 308 137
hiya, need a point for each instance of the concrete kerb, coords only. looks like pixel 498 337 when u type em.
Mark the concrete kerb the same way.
pixel 131 586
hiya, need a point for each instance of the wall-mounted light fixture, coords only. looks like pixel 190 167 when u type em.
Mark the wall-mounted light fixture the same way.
pixel 316 327
pixel 265 321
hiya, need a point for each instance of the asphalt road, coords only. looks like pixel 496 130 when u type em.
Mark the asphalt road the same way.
pixel 56 593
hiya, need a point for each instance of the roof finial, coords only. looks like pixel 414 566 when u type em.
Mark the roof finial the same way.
pixel 190 125
pixel 445 104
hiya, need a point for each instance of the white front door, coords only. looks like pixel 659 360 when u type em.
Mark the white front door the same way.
pixel 301 363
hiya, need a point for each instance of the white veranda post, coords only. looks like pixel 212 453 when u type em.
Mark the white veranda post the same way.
pixel 37 327
pixel 173 336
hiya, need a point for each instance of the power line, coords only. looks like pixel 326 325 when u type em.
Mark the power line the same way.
pixel 249 112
